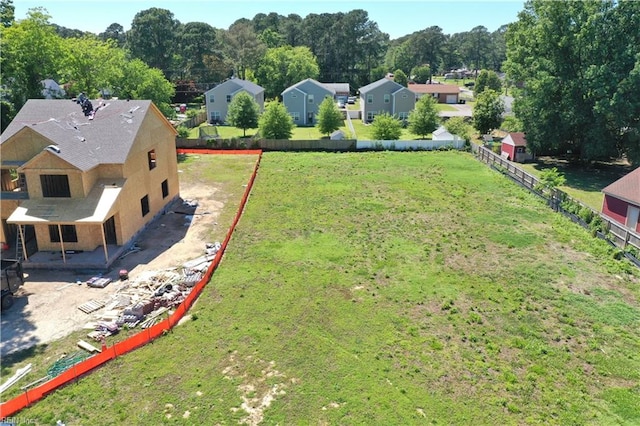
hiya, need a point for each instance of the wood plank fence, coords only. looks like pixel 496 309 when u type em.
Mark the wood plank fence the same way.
pixel 615 233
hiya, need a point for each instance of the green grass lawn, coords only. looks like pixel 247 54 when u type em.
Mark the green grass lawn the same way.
pixel 583 183
pixel 387 288
pixel 299 133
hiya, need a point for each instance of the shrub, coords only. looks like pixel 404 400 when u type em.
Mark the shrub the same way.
pixel 586 214
pixel 183 132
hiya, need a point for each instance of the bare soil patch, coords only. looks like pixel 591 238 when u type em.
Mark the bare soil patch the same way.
pixel 46 307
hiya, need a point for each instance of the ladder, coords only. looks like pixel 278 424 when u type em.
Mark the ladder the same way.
pixel 19 252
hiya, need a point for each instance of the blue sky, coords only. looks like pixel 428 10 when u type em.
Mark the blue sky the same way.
pixel 397 18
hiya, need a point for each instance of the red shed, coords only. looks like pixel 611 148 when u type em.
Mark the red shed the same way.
pixel 622 200
pixel 514 147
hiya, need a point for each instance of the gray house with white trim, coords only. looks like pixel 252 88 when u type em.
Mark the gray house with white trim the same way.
pixel 303 99
pixel 218 98
pixel 387 96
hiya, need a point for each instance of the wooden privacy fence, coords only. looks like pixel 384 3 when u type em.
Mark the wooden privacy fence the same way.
pixel 9 408
pixel 194 121
pixel 615 233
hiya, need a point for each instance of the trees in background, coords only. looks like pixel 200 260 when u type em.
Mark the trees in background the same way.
pixel 421 74
pixel 578 68
pixel 424 117
pixel 487 79
pixel 152 38
pixel 284 66
pixel 487 113
pixel 243 112
pixel 400 77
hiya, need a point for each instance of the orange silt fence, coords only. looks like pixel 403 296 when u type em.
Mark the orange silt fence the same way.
pixel 31 396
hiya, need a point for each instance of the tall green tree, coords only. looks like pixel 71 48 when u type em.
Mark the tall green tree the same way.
pixel 243 47
pixel 197 41
pixel 386 127
pixel 243 112
pixel 91 65
pixel 7 13
pixel 487 79
pixel 152 38
pixel 329 116
pixel 139 81
pixel 424 117
pixel 579 68
pixel 487 113
pixel 284 66
pixel 31 52
pixel 275 122
pixel 116 33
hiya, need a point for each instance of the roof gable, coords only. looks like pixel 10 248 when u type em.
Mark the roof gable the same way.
pixel 233 85
pixel 85 141
pixel 383 82
pixel 515 139
pixel 307 85
pixel 626 188
pixel 434 88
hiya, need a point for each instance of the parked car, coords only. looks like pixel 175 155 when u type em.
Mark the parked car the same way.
pixel 351 100
pixel 341 103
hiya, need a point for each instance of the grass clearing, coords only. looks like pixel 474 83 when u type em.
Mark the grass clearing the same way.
pixel 388 288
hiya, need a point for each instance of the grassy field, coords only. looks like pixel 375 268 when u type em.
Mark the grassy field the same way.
pixel 387 288
pixel 582 183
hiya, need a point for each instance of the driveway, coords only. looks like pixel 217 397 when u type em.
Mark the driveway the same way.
pixel 462 110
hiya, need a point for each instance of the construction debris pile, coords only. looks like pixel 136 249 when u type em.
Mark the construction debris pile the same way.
pixel 142 301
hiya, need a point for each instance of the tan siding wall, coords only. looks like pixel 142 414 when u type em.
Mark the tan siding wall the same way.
pixel 141 181
pixel 23 146
pixel 89 238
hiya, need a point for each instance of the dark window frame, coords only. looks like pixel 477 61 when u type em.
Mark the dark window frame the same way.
pixel 55 186
pixel 144 205
pixel 165 188
pixel 151 158
pixel 69 233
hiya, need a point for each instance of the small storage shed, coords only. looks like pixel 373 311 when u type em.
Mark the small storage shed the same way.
pixel 514 148
pixel 622 201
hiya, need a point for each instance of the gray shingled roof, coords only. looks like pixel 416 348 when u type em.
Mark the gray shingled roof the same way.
pixel 84 143
pixel 375 84
pixel 316 82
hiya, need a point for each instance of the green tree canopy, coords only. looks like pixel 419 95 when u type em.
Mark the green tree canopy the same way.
pixel 31 52
pixel 460 127
pixel 284 66
pixel 329 116
pixel 152 38
pixel 275 122
pixel 578 67
pixel 386 127
pixel 424 117
pixel 400 77
pixel 7 13
pixel 487 79
pixel 421 74
pixel 487 113
pixel 243 47
pixel 141 82
pixel 243 112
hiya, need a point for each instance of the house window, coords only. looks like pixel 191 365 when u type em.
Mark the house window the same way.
pixel 403 115
pixel 387 98
pixel 211 99
pixel 369 99
pixel 165 188
pixel 55 186
pixel 68 233
pixel 228 98
pixel 215 116
pixel 370 116
pixel 310 99
pixel 295 116
pixel 151 157
pixel 144 204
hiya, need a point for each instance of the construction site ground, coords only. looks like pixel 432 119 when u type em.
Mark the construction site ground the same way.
pixel 46 306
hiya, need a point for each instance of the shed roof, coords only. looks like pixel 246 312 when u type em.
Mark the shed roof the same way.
pixel 626 188
pixel 83 141
pixel 515 139
pixel 450 89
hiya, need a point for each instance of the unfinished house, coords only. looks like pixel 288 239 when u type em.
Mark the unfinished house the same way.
pixel 83 176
